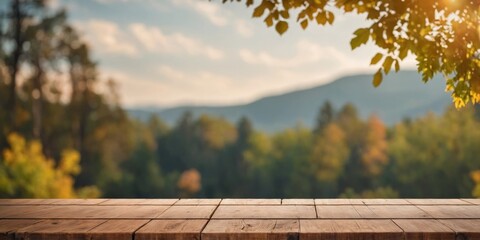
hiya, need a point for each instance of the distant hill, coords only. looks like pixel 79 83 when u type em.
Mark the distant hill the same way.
pixel 401 95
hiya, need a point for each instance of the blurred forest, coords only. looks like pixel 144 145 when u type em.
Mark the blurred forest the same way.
pixel 64 134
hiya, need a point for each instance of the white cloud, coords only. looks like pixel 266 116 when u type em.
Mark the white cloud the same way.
pixel 217 15
pixel 243 28
pixel 153 39
pixel 209 10
pixel 107 37
pixel 202 81
pixel 171 86
pixel 306 52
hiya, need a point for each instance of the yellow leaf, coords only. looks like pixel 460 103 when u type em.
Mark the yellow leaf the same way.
pixel 387 64
pixel 281 27
pixel 361 37
pixel 321 18
pixel 330 18
pixel 304 24
pixel 376 58
pixel 377 78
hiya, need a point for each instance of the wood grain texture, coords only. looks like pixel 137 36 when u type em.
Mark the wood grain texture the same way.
pixel 341 211
pixel 116 229
pixel 197 201
pixel 391 211
pixel 26 201
pixel 239 219
pixel 8 227
pixel 385 201
pixel 475 201
pixel 264 212
pixel 425 229
pixel 298 201
pixel 58 229
pixel 338 201
pixel 78 201
pixel 81 212
pixel 421 201
pixel 22 211
pixel 171 229
pixel 464 228
pixel 340 229
pixel 452 211
pixel 188 212
pixel 140 201
pixel 247 201
pixel 251 229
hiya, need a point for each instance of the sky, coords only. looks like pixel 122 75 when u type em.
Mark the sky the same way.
pixel 175 52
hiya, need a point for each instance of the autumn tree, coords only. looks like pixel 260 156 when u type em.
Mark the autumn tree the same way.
pixel 26 172
pixel 374 150
pixel 329 155
pixel 441 35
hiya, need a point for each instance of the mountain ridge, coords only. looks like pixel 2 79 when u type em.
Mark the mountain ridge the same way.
pixel 401 95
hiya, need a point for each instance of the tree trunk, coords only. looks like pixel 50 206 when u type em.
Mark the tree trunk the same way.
pixel 15 61
pixel 37 103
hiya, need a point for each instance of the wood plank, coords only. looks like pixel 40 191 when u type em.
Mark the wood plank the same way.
pixel 18 211
pixel 340 211
pixel 171 229
pixel 338 201
pixel 116 229
pixel 298 201
pixel 426 201
pixel 78 201
pixel 464 228
pixel 188 212
pixel 81 212
pixel 58 229
pixel 197 201
pixel 246 201
pixel 144 201
pixel 264 212
pixel 320 229
pixel 425 229
pixel 251 229
pixel 452 211
pixel 475 201
pixel 385 201
pixel 391 211
pixel 8 227
pixel 26 201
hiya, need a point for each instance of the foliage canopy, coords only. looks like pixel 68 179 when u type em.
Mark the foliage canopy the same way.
pixel 443 35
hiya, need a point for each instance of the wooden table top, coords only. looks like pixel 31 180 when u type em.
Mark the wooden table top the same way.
pixel 240 219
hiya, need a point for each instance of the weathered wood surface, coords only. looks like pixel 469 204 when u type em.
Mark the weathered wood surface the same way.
pixel 240 219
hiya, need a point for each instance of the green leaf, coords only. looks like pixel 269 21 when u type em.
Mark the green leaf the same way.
pixel 376 58
pixel 304 24
pixel 281 27
pixel 361 37
pixel 387 64
pixel 377 78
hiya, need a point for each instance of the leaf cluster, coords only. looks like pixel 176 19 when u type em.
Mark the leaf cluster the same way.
pixel 442 35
